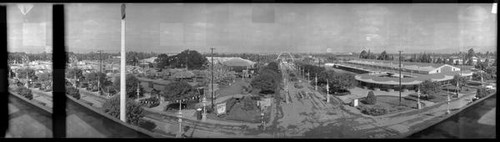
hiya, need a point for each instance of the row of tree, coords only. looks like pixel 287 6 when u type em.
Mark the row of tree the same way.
pixel 187 58
pixel 337 82
pixel 18 57
pixel 312 70
pixel 268 79
pixel 132 57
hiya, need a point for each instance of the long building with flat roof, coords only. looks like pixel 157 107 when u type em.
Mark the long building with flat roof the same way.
pixel 384 75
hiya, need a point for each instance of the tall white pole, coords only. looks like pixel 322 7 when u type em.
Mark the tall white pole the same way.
pixel 327 91
pixel 122 70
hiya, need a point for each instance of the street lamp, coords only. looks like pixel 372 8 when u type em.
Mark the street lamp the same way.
pixel 316 79
pixel 448 104
pixel 327 92
pixel 418 99
pixel 179 134
pixel 204 100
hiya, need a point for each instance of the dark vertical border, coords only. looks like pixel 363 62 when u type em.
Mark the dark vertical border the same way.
pixel 59 65
pixel 4 84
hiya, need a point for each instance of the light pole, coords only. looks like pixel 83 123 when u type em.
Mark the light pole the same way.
pixel 327 92
pixel 400 77
pixel 316 80
pixel 418 99
pixel 138 89
pixel 448 104
pixel 179 134
pixel 204 101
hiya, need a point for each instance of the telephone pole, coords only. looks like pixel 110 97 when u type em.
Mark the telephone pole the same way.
pixel 100 71
pixel 400 77
pixel 212 80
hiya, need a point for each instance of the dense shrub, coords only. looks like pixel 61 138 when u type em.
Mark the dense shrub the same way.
pixel 482 92
pixel 25 92
pixel 371 98
pixel 73 92
pixel 134 111
pixel 375 110
pixel 148 125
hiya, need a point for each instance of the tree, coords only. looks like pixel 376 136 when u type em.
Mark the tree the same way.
pixel 481 65
pixel 178 90
pixel 73 92
pixel 460 80
pixel 23 91
pixel 266 83
pixel 470 54
pixel 22 73
pixel 439 61
pixel 371 98
pixel 274 66
pixel 324 76
pixel 341 81
pixel 134 112
pixel 131 86
pixel 74 72
pixel 45 76
pixel 492 71
pixel 481 92
pixel 162 61
pixel 194 60
pixel 363 55
pixel 95 78
pixel 383 56
pixel 429 88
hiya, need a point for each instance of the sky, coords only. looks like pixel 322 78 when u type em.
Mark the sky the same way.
pixel 261 28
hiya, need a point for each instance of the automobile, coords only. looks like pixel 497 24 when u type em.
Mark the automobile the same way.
pixel 38 85
pixel 491 87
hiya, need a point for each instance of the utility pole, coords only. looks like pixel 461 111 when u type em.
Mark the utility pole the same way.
pixel 212 80
pixel 100 71
pixel 327 92
pixel 316 80
pixel 400 77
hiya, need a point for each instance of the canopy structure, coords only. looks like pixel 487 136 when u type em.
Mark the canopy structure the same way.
pixel 238 62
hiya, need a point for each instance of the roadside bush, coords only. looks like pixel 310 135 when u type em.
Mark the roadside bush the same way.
pixel 23 91
pixel 73 92
pixel 148 125
pixel 372 110
pixel 481 92
pixel 134 111
pixel 371 98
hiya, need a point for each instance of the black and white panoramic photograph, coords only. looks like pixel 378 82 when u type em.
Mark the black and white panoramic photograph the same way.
pixel 250 70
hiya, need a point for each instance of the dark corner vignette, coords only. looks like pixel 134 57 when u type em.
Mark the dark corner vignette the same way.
pixel 59 65
pixel 4 108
